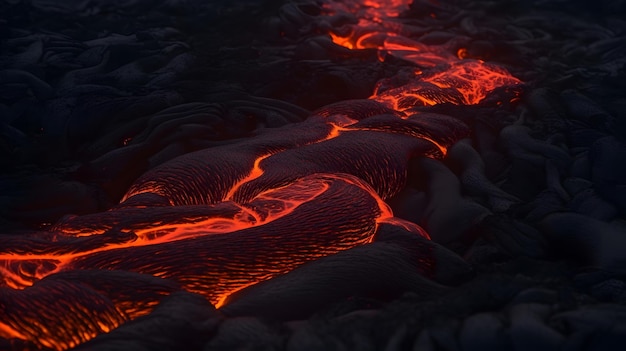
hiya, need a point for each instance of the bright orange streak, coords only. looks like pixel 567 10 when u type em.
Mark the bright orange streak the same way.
pixel 7 332
pixel 409 226
pixel 336 131
pixel 342 41
pixel 256 172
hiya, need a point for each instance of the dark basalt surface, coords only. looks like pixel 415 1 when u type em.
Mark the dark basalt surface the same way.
pixel 526 214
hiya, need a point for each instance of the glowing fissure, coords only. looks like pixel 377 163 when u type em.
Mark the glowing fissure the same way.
pixel 218 220
pixel 256 172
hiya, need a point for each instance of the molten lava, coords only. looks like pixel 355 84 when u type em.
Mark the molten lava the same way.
pixel 444 75
pixel 218 220
pixel 215 221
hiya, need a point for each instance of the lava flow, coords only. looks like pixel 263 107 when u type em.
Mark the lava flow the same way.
pixel 218 220
pixel 442 75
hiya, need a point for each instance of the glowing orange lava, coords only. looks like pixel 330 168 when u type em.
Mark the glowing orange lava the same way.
pixel 315 189
pixel 452 78
pixel 218 220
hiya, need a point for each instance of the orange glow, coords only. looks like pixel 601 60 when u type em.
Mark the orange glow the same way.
pixel 218 220
pixel 462 53
pixel 255 172
pixel 332 201
pixel 453 78
pixel 473 79
pixel 7 332
pixel 343 41
pixel 466 82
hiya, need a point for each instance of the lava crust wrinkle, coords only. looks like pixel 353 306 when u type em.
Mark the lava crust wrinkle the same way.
pixel 319 190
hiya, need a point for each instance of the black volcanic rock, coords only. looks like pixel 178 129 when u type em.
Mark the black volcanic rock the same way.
pixel 93 94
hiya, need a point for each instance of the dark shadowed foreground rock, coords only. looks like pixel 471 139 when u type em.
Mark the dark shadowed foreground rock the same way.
pixel 397 262
pixel 181 321
pixel 587 240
